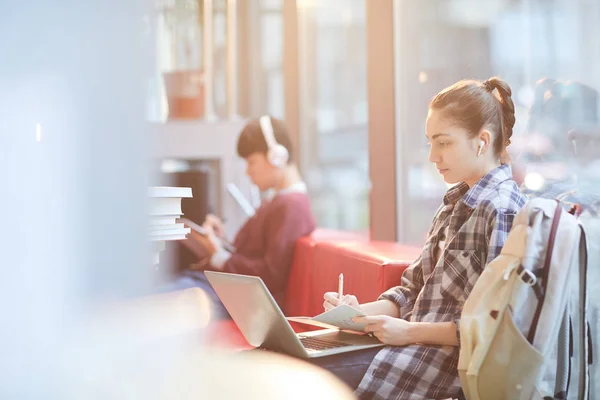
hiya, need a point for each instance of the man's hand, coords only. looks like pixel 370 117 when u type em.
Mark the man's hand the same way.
pixel 215 224
pixel 203 246
pixel 332 301
pixel 389 330
pixel 201 265
pixel 216 247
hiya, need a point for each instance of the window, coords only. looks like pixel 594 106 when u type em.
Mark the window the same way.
pixel 333 111
pixel 261 59
pixel 522 42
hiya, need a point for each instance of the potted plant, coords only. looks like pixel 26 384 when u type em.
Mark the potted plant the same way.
pixel 182 57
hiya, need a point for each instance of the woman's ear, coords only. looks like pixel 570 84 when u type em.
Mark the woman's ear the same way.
pixel 485 141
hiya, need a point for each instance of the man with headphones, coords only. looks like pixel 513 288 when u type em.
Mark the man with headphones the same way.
pixel 264 246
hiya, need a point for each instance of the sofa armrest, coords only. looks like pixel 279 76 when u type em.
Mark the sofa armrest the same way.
pixel 369 268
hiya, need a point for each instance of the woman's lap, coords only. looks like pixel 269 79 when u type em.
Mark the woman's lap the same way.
pixel 350 367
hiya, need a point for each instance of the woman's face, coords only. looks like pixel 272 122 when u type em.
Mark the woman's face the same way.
pixel 452 150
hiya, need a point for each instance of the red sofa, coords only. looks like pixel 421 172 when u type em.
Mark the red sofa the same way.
pixel 369 268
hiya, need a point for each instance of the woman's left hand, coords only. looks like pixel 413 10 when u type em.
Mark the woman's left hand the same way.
pixel 389 330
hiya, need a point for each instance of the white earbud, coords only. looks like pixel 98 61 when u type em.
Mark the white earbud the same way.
pixel 481 144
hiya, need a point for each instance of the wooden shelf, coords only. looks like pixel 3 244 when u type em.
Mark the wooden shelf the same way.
pixel 196 139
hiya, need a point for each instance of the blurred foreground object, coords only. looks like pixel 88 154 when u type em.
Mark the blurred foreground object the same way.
pixel 195 373
pixel 151 348
pixel 150 318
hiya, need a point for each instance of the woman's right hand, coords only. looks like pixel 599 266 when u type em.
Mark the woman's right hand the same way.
pixel 215 224
pixel 332 301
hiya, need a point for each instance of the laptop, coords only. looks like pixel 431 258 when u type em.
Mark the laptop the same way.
pixel 263 324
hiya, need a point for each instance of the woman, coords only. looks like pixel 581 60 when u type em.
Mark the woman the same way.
pixel 468 127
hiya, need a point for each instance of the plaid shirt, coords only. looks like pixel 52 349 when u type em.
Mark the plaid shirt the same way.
pixel 435 289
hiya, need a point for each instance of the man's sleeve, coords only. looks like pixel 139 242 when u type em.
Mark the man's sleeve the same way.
pixel 286 223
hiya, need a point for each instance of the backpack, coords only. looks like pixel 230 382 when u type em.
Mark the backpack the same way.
pixel 516 327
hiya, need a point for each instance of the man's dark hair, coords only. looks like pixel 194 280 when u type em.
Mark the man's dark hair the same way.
pixel 252 140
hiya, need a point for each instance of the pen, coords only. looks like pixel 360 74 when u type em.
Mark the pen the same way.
pixel 340 286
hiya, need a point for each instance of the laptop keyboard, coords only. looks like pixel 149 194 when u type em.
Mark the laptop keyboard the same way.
pixel 313 343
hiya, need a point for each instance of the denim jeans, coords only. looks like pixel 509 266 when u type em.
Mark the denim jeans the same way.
pixel 350 367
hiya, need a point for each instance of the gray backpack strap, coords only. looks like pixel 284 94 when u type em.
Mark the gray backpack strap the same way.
pixel 565 338
pixel 584 333
pixel 545 273
pixel 565 352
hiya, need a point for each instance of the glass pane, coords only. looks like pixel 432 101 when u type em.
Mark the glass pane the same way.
pixel 272 4
pixel 262 60
pixel 275 94
pixel 334 141
pixel 271 30
pixel 220 5
pixel 220 60
pixel 522 42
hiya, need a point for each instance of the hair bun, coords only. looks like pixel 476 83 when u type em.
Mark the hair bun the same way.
pixel 489 86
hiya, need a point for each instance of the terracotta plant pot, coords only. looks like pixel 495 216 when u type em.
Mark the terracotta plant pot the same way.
pixel 185 94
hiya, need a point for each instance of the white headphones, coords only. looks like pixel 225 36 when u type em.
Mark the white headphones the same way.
pixel 481 144
pixel 277 154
